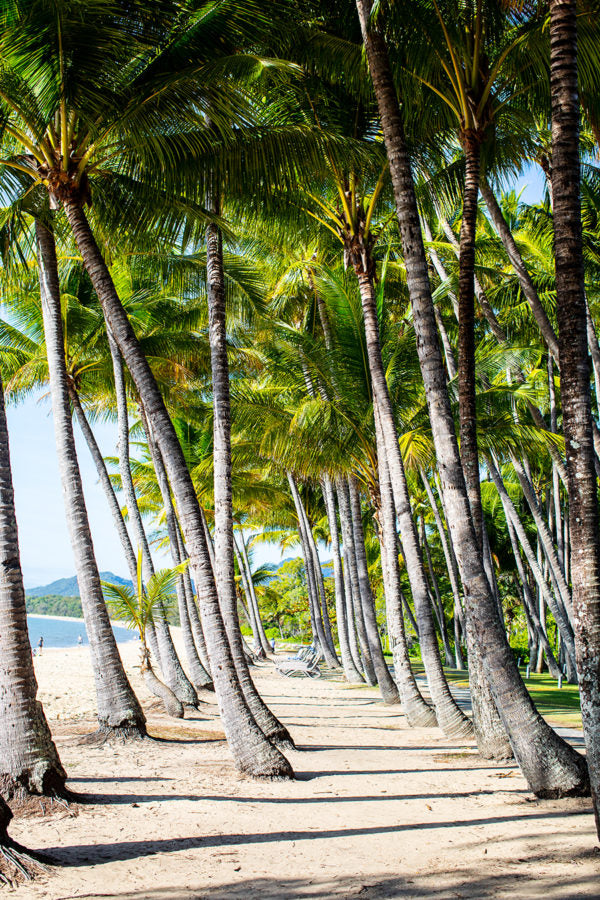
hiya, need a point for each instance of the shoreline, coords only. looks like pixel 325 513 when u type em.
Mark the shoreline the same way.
pixel 134 634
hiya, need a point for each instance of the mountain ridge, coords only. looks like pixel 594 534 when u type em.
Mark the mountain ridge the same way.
pixel 68 587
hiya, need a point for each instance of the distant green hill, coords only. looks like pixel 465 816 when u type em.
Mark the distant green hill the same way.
pixel 55 605
pixel 68 587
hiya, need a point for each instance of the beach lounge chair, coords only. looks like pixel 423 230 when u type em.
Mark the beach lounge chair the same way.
pixel 308 666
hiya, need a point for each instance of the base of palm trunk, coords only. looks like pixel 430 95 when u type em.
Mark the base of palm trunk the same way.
pixel 18 865
pixel 41 782
pixel 281 773
pixel 121 733
pixel 172 704
pixel 420 715
pixel 285 745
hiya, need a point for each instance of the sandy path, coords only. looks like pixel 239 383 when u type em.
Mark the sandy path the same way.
pixel 377 811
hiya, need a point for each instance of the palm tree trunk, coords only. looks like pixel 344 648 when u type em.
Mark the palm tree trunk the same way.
pixel 352 635
pixel 311 582
pixel 200 676
pixel 118 708
pixel 550 765
pixel 350 670
pixel 224 555
pixel 173 706
pixel 355 591
pixel 438 606
pixel 450 566
pixel 113 503
pixel 104 479
pixel 556 574
pixel 320 597
pixel 575 376
pixel 529 602
pixel 29 762
pixel 264 642
pixel 450 717
pixel 551 600
pixel 193 613
pixel 467 414
pixel 387 687
pixel 252 751
pixel 16 863
pixel 247 607
pixel 159 632
pixel 418 713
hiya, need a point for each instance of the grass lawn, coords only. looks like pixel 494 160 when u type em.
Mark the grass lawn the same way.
pixel 559 707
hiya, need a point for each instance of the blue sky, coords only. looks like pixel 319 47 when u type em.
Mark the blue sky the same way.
pixel 44 541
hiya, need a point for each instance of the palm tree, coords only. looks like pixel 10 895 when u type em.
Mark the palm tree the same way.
pixel 16 863
pixel 64 145
pixel 29 762
pixel 137 607
pixel 575 375
pixel 223 533
pixel 118 709
pixel 550 765
pixel 355 227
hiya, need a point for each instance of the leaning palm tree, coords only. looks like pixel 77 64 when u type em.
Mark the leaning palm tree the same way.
pixel 138 607
pixel 105 82
pixel 118 708
pixel 550 765
pixel 29 762
pixel 575 374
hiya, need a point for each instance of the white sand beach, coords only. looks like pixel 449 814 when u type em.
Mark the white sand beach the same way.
pixel 368 815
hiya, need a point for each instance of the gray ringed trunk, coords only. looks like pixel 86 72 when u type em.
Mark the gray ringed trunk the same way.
pixel 418 713
pixel 271 727
pixel 173 706
pixel 550 765
pixel 351 624
pixel 253 598
pixel 29 762
pixel 351 673
pixel 450 717
pixel 311 582
pixel 356 615
pixel 193 613
pixel 492 740
pixel 575 376
pixel 466 332
pixel 199 675
pixel 387 686
pixel 253 754
pixel 159 632
pixel 118 707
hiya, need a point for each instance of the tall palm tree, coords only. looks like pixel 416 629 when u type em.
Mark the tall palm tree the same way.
pixel 223 533
pixel 550 765
pixel 64 142
pixel 29 762
pixel 575 375
pixel 118 708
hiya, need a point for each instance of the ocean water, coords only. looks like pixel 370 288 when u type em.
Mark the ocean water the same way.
pixel 65 632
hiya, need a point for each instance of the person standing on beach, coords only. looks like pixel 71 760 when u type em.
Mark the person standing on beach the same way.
pixel 40 646
pixel 80 640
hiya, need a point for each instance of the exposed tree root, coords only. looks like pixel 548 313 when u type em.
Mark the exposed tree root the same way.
pixel 120 733
pixel 18 865
pixel 26 805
